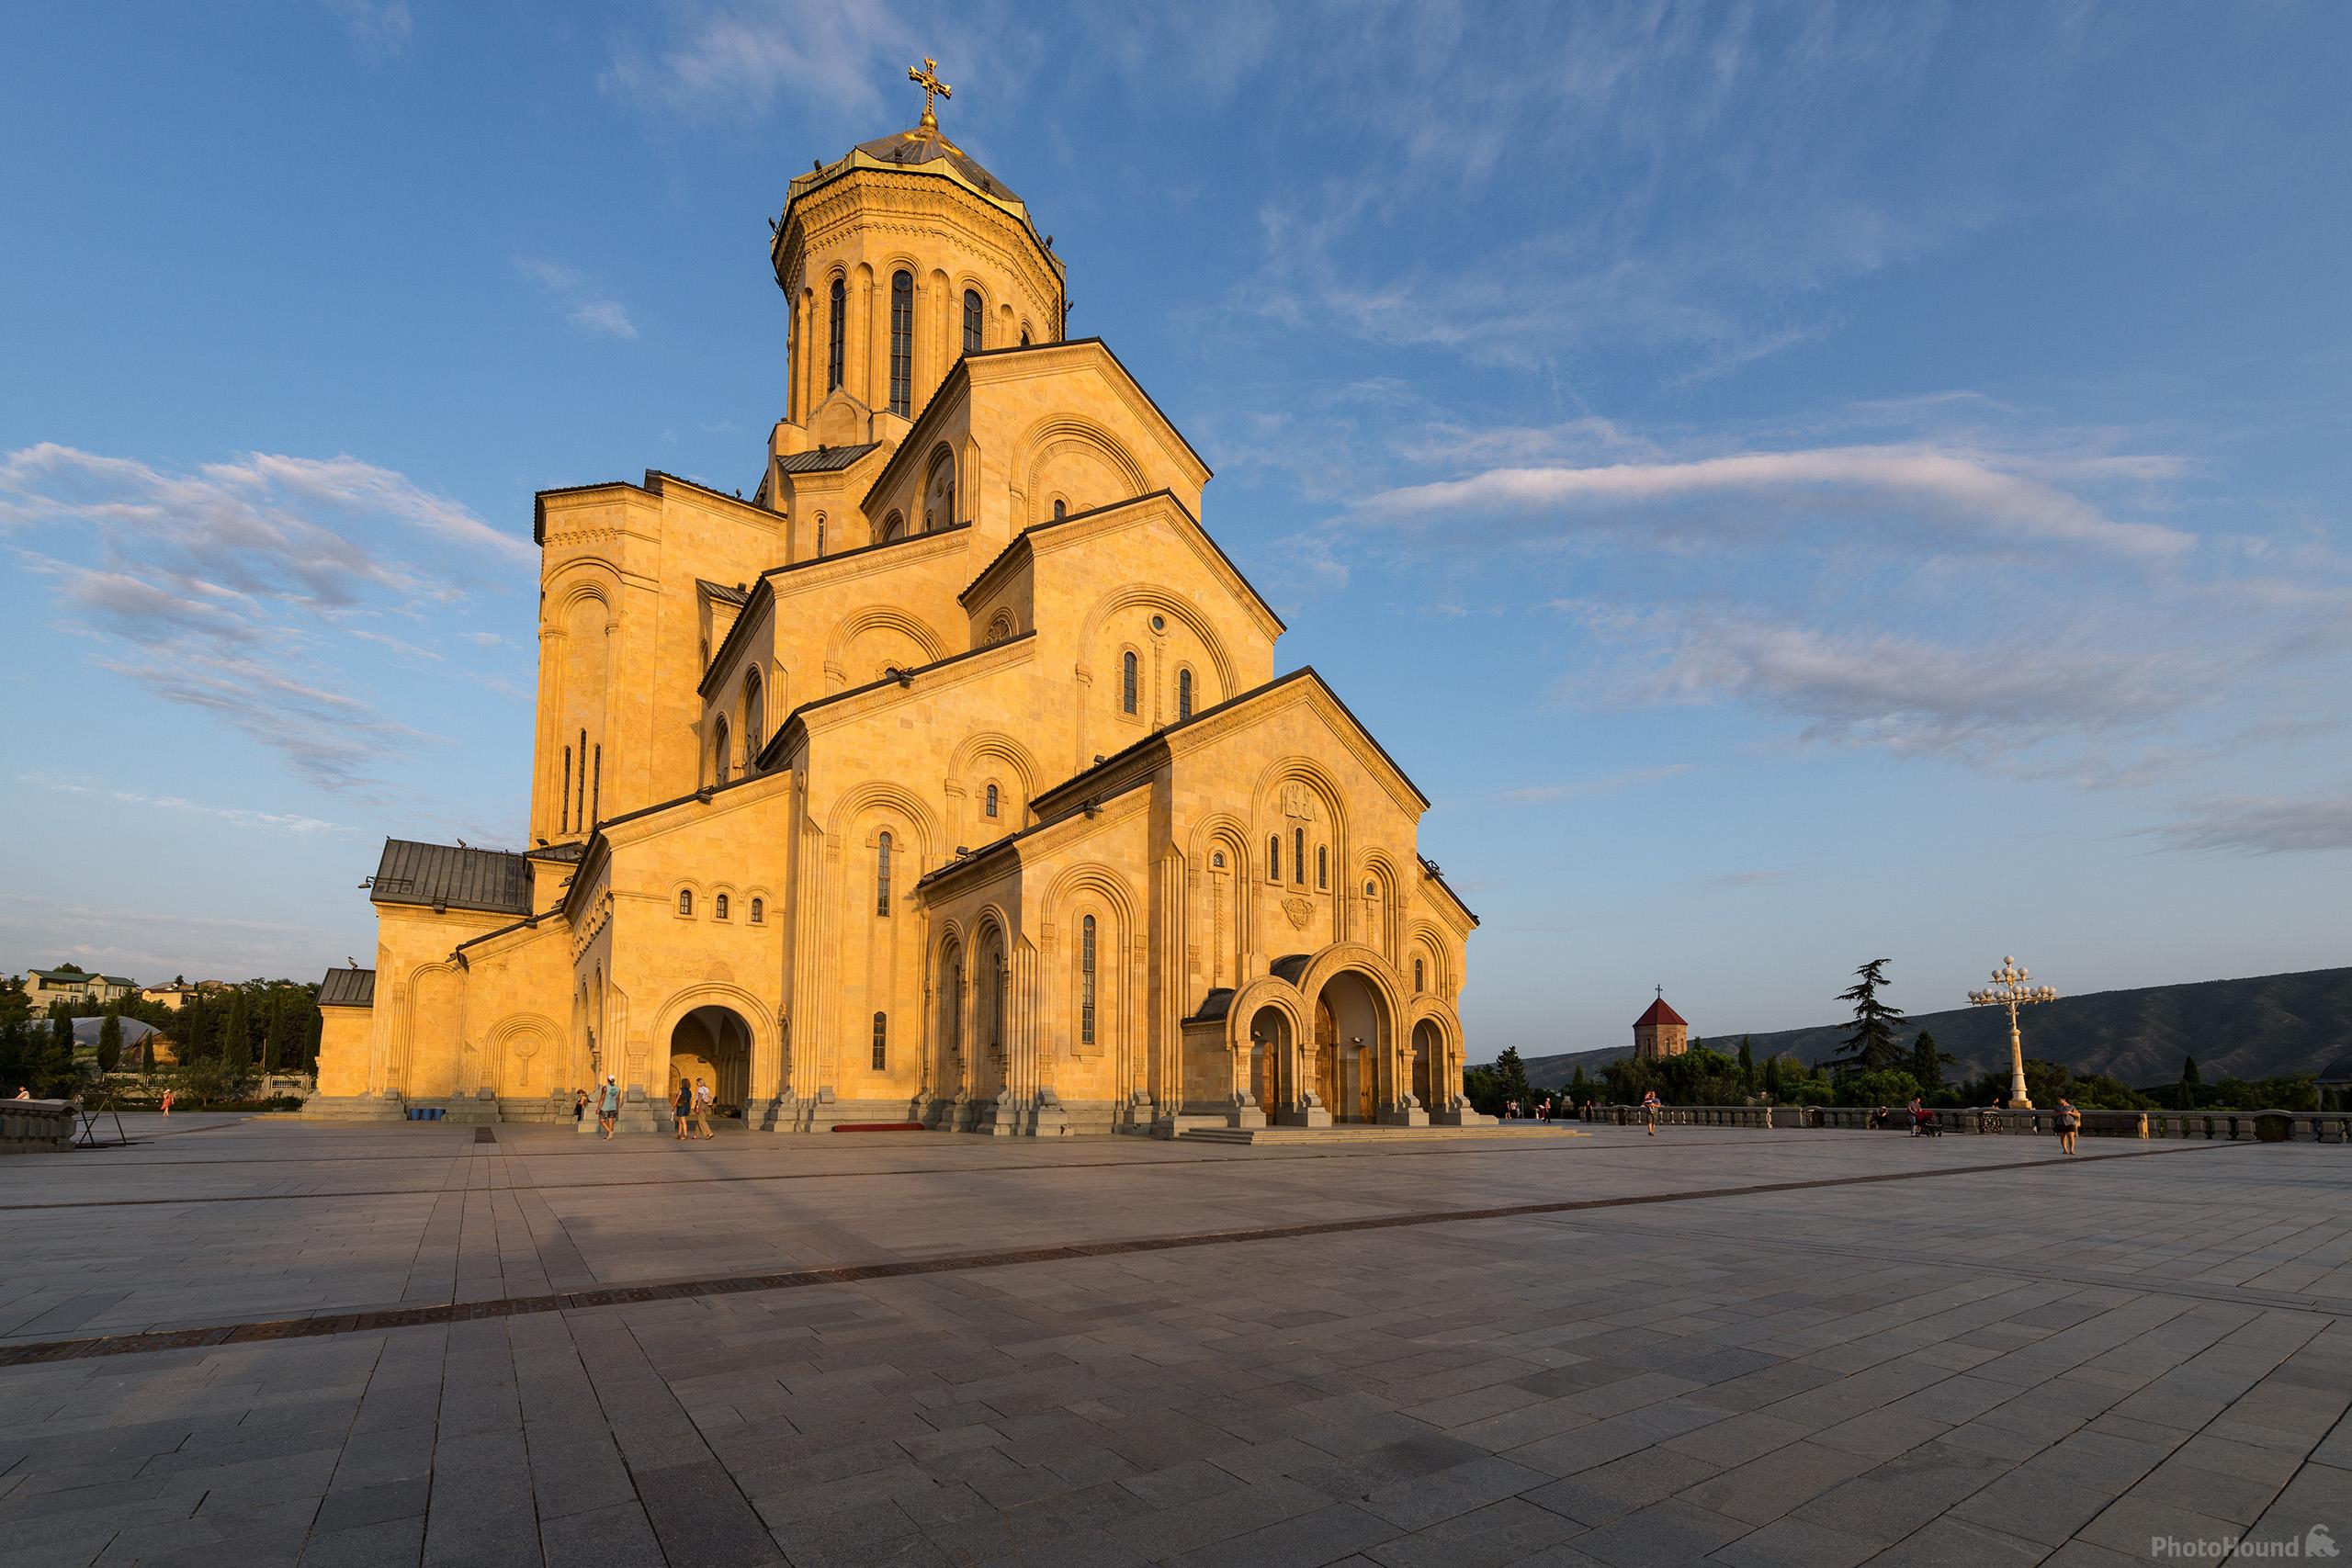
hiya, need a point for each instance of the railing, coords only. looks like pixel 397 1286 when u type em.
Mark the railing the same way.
pixel 2256 1126
pixel 36 1126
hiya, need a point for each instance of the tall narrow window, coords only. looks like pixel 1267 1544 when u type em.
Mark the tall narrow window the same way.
pixel 1086 981
pixel 579 805
pixel 971 321
pixel 891 527
pixel 820 535
pixel 1322 867
pixel 992 800
pixel 882 875
pixel 902 342
pixel 754 715
pixel 566 813
pixel 759 912
pixel 1127 685
pixel 1274 858
pixel 1183 696
pixel 1419 983
pixel 1298 856
pixel 836 336
pixel 951 1003
pixel 718 755
pixel 719 908
pixel 686 901
pixel 881 1041
pixel 1024 337
pixel 1061 508
pixel 596 789
pixel 993 977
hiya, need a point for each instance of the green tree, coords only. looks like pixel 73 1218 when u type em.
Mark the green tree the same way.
pixel 2191 1087
pixel 1579 1089
pixel 1870 1048
pixel 1926 1063
pixel 147 1054
pixel 1771 1078
pixel 237 1032
pixel 16 1006
pixel 1887 1087
pixel 56 1070
pixel 110 1042
pixel 1510 1077
pixel 1747 1065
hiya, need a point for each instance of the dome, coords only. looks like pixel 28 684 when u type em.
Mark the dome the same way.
pixel 924 144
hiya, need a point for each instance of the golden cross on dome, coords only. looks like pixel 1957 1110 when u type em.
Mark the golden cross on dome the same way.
pixel 930 84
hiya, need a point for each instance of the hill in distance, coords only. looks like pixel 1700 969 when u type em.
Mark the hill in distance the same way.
pixel 2270 1026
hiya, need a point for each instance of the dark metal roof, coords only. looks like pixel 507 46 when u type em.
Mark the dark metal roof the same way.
pixel 824 459
pixel 924 144
pixel 453 876
pixel 1214 1006
pixel 1290 967
pixel 348 988
pixel 720 590
pixel 570 852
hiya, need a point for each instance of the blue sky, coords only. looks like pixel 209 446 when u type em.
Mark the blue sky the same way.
pixel 1795 484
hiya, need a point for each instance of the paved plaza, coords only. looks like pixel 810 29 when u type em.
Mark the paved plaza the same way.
pixel 261 1341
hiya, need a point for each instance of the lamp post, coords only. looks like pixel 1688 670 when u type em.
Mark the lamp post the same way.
pixel 2009 991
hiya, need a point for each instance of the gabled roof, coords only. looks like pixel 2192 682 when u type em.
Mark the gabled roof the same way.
pixel 656 481
pixel 1025 542
pixel 452 876
pixel 1660 1013
pixel 764 589
pixel 797 719
pixel 347 989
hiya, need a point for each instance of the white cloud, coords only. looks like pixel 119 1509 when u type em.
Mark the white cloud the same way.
pixel 212 583
pixel 582 303
pixel 1961 493
pixel 733 59
pixel 273 821
pixel 2262 826
pixel 376 26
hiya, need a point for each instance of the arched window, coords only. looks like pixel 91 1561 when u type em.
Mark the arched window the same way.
pixel 759 912
pixel 971 321
pixel 820 535
pixel 566 827
pixel 718 753
pixel 579 807
pixel 596 789
pixel 939 494
pixel 1183 696
pixel 686 902
pixel 1024 337
pixel 1061 508
pixel 1217 860
pixel 836 334
pixel 1298 856
pixel 1274 858
pixel 892 526
pixel 991 799
pixel 1420 981
pixel 1086 981
pixel 755 717
pixel 881 1041
pixel 993 977
pixel 902 342
pixel 1322 867
pixel 1127 683
pixel 719 908
pixel 882 875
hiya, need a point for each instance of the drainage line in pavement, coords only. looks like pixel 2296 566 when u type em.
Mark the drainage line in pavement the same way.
pixel 631 1295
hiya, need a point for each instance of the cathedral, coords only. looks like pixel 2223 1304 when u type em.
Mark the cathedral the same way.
pixel 945 781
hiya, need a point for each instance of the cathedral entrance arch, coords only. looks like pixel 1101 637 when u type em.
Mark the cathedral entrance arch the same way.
pixel 1350 1034
pixel 1429 1070
pixel 713 1044
pixel 1270 1069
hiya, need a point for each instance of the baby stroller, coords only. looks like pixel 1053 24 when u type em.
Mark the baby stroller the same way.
pixel 1924 1125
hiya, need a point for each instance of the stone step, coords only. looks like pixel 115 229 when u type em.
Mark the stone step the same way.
pixel 1359 1134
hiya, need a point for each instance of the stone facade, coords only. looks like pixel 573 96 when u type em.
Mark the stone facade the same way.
pixel 1660 1031
pixel 947 778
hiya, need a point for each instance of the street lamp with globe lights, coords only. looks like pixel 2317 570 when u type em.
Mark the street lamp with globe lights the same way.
pixel 2010 990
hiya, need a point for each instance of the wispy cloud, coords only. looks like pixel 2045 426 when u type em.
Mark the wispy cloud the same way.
pixel 211 585
pixel 1579 789
pixel 150 946
pixel 376 26
pixel 272 821
pixel 2262 826
pixel 729 59
pixel 583 304
pixel 1954 492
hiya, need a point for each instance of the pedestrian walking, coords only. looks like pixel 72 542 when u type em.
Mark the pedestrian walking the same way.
pixel 579 1106
pixel 167 1101
pixel 702 1111
pixel 2070 1121
pixel 683 1108
pixel 609 1107
pixel 1918 1117
pixel 1650 1108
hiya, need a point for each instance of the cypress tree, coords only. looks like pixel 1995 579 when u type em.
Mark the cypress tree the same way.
pixel 237 1032
pixel 110 1042
pixel 57 1067
pixel 2191 1085
pixel 1926 1063
pixel 1747 1065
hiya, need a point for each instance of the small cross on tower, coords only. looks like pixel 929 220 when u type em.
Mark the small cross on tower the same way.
pixel 930 84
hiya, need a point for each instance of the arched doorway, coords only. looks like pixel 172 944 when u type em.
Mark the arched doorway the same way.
pixel 1270 1048
pixel 1349 1039
pixel 1429 1064
pixel 712 1044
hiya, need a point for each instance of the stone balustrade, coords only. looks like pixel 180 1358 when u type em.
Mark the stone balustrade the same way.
pixel 2260 1126
pixel 36 1126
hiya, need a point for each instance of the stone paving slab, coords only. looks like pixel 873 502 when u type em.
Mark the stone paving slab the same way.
pixel 2044 1361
